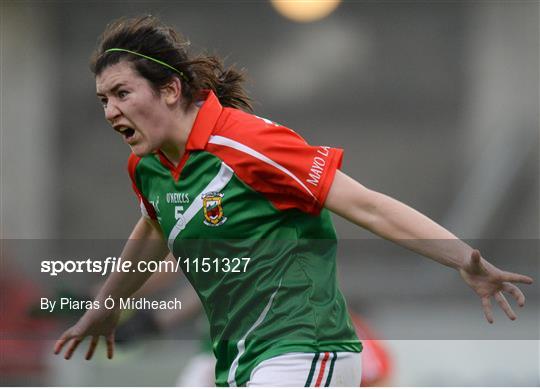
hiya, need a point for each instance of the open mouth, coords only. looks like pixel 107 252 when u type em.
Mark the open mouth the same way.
pixel 127 132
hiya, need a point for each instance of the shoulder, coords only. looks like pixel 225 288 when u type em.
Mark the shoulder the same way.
pixel 248 133
pixel 275 160
pixel 142 169
pixel 138 164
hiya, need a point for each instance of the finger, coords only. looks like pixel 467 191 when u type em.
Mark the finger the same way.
pixel 475 258
pixel 59 345
pixel 488 311
pixel 515 292
pixel 92 347
pixel 503 303
pixel 474 264
pixel 74 344
pixel 515 277
pixel 110 346
pixel 61 342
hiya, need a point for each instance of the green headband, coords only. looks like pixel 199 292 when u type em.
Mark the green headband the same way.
pixel 151 59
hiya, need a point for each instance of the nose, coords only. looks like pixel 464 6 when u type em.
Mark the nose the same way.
pixel 111 112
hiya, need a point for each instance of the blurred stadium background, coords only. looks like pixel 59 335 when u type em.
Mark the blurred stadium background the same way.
pixel 435 103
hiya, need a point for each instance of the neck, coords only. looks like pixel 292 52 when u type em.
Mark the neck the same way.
pixel 174 148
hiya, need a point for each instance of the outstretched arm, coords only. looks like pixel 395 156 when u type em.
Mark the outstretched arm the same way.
pixel 407 227
pixel 144 242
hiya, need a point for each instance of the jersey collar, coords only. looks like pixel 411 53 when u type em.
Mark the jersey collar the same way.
pixel 205 122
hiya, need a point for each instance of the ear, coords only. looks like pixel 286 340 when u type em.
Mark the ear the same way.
pixel 172 92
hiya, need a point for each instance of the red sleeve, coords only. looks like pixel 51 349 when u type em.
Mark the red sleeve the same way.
pixel 276 162
pixel 147 209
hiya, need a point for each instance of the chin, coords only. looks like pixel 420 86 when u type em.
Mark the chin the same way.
pixel 140 151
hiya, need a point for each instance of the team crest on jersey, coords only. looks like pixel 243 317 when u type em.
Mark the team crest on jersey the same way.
pixel 213 209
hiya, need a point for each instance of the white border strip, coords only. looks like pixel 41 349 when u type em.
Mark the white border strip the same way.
pixel 221 140
pixel 242 342
pixel 217 184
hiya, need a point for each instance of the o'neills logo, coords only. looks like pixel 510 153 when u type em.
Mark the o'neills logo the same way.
pixel 213 210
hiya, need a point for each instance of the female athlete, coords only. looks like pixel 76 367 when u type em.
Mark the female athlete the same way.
pixel 243 204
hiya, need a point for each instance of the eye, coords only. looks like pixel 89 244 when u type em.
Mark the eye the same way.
pixel 122 94
pixel 103 102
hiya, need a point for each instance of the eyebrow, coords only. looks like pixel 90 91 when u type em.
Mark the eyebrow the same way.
pixel 113 89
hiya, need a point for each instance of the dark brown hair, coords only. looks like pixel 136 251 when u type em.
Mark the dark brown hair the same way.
pixel 147 35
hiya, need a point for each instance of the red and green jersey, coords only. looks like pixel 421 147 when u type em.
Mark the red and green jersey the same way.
pixel 248 188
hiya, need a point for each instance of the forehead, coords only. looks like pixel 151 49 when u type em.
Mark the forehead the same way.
pixel 116 74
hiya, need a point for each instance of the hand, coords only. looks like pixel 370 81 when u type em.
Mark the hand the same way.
pixel 95 323
pixel 487 281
